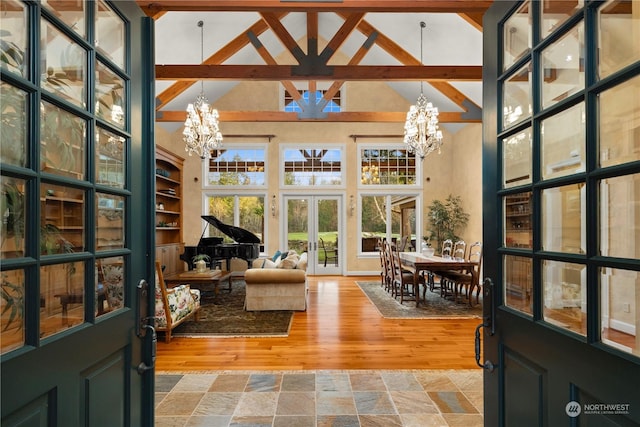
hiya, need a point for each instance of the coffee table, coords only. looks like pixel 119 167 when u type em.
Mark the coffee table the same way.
pixel 206 282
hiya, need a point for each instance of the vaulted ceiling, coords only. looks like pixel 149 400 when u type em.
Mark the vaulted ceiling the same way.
pixel 308 45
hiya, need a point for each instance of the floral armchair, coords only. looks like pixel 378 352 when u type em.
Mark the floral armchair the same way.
pixel 112 275
pixel 180 302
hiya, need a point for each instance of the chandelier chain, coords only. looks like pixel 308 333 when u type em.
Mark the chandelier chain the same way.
pixel 201 132
pixel 421 132
pixel 201 25
pixel 422 26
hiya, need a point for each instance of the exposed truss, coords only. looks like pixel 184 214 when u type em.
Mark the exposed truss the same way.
pixel 313 66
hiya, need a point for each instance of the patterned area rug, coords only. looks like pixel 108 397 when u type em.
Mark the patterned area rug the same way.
pixel 223 315
pixel 435 307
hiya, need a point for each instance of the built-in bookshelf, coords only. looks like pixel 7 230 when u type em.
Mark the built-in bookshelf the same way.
pixel 169 241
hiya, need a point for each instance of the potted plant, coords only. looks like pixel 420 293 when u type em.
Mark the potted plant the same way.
pixel 200 261
pixel 447 219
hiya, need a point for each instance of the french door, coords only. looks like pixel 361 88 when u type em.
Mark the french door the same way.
pixel 561 178
pixel 314 224
pixel 77 162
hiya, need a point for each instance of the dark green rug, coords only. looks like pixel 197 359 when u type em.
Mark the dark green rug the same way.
pixel 436 307
pixel 224 316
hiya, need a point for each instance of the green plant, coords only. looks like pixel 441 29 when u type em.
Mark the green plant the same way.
pixel 446 220
pixel 13 296
pixel 11 56
pixel 12 211
pixel 201 257
pixel 52 241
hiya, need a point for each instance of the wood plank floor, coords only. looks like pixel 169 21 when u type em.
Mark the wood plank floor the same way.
pixel 341 329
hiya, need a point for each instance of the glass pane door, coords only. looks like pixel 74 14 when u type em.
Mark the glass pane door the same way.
pixel 313 225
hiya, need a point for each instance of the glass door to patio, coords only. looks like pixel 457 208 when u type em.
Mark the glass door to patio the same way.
pixel 313 224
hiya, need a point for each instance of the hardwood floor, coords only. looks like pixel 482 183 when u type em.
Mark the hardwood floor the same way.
pixel 341 329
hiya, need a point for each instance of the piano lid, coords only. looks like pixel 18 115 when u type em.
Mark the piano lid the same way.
pixel 239 235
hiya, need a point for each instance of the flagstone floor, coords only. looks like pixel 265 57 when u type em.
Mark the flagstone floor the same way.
pixel 420 398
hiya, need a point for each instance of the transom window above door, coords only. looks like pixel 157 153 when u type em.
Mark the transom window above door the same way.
pixel 312 166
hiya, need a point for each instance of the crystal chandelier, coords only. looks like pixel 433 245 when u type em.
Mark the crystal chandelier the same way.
pixel 201 132
pixel 421 133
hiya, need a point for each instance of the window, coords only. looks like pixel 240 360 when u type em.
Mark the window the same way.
pixel 390 216
pixel 245 211
pixel 237 166
pixel 333 106
pixel 311 166
pixel 394 166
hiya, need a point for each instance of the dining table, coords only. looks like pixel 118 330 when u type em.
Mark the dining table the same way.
pixel 417 262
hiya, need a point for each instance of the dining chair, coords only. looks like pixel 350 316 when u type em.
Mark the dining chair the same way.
pixel 459 250
pixel 384 273
pixel 462 283
pixel 388 262
pixel 329 254
pixel 447 249
pixel 403 279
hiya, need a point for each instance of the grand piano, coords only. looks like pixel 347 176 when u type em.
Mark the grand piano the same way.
pixel 246 244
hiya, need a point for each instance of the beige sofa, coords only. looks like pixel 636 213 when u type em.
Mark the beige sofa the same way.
pixel 276 287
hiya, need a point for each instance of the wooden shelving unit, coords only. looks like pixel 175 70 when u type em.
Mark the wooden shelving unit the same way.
pixel 169 241
pixel 518 220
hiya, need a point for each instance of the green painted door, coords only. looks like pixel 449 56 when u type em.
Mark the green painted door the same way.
pixel 562 213
pixel 77 156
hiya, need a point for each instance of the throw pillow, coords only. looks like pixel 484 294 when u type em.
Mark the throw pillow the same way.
pixel 268 264
pixel 278 262
pixel 290 261
pixel 302 262
pixel 277 255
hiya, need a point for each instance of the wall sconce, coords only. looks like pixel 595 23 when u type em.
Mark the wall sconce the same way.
pixel 352 205
pixel 273 206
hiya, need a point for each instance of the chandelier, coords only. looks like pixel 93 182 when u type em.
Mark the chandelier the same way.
pixel 201 132
pixel 421 133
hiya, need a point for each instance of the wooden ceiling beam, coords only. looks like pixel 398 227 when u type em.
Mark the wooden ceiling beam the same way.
pixel 283 35
pixel 350 23
pixel 270 60
pixel 344 116
pixel 153 7
pixel 396 51
pixel 219 57
pixel 192 73
pixel 474 19
pixel 355 60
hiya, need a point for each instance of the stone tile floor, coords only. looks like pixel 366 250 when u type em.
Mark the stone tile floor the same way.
pixel 420 398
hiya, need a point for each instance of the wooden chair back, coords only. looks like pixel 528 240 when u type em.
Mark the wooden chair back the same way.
pixel 447 249
pixel 459 250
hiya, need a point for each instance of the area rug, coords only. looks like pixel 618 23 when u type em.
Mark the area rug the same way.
pixel 435 307
pixel 223 315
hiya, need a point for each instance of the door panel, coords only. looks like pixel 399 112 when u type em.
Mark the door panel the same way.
pixel 75 260
pixel 562 341
pixel 524 386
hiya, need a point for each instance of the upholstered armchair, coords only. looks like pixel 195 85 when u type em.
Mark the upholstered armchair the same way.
pixel 173 305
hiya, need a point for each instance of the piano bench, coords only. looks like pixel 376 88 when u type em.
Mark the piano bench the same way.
pixel 275 289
